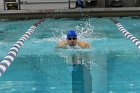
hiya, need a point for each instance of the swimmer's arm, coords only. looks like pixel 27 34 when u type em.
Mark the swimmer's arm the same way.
pixel 61 44
pixel 83 44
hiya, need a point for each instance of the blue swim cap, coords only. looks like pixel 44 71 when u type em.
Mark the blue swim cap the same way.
pixel 71 33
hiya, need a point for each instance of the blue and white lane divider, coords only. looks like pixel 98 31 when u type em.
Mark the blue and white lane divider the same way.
pixel 5 63
pixel 126 33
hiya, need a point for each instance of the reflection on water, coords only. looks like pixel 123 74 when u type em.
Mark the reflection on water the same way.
pixel 79 65
pixel 81 77
pixel 80 72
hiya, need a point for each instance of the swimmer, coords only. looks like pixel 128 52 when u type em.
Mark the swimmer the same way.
pixel 72 41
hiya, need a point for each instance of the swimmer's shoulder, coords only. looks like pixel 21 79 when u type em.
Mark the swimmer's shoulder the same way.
pixel 83 44
pixel 61 44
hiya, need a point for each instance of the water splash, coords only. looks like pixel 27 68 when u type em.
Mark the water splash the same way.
pixel 84 31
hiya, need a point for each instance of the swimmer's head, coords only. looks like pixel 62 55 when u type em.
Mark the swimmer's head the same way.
pixel 71 33
pixel 71 37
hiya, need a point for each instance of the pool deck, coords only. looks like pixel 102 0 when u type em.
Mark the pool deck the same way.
pixel 70 13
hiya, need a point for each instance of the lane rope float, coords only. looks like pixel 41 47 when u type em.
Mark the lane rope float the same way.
pixel 126 33
pixel 8 59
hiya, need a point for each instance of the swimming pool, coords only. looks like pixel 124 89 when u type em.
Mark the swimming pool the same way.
pixel 111 65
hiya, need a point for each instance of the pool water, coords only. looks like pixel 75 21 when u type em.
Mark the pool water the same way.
pixel 111 65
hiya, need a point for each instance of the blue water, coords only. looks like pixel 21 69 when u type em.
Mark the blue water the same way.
pixel 111 65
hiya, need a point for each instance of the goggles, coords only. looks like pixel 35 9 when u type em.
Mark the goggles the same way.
pixel 72 38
